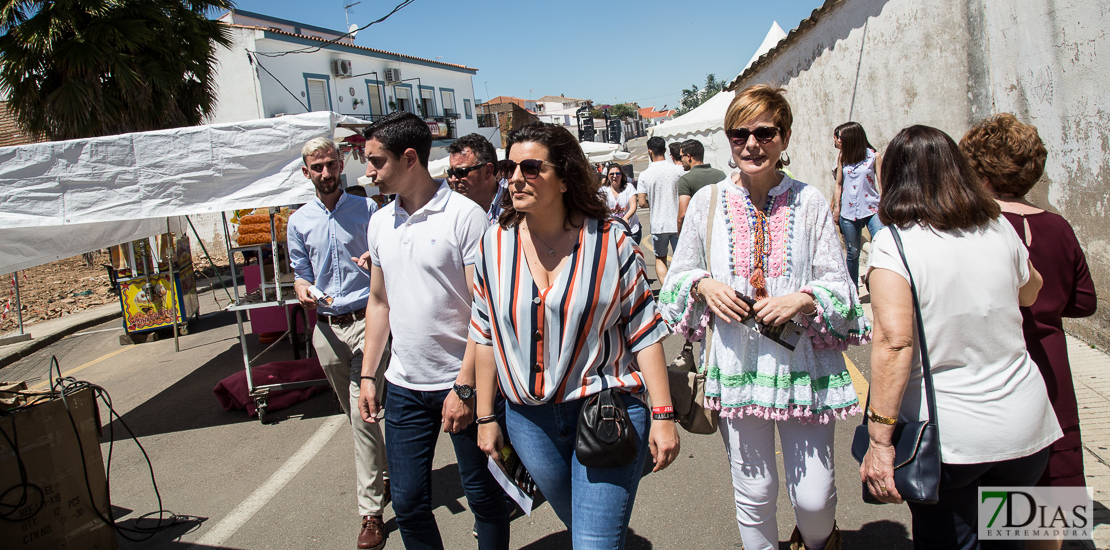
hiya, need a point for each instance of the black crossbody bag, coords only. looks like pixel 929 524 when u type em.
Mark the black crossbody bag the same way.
pixel 605 437
pixel 917 463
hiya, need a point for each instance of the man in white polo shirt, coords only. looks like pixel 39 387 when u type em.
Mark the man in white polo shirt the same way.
pixel 421 250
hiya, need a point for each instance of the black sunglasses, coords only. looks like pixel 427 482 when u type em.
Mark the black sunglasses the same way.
pixel 530 168
pixel 460 173
pixel 763 134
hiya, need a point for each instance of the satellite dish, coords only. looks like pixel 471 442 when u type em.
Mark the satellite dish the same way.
pixel 352 30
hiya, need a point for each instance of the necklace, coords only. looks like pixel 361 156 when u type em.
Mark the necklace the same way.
pixel 550 249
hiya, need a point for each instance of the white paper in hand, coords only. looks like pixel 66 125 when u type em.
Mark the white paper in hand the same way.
pixel 520 497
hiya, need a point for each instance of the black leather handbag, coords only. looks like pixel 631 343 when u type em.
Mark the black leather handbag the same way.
pixel 605 438
pixel 917 462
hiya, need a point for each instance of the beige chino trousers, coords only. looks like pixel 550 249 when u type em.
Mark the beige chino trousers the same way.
pixel 339 348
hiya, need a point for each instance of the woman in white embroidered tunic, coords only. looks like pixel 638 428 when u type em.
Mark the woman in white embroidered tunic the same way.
pixel 562 311
pixel 774 239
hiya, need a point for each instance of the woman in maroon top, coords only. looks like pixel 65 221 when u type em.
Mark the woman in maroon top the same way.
pixel 1009 158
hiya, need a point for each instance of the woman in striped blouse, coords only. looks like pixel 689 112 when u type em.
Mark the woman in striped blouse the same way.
pixel 562 311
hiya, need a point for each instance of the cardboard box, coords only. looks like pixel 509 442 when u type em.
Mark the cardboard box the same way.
pixel 56 512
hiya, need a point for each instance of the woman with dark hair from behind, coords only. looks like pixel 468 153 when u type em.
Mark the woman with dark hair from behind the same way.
pixel 620 197
pixel 856 199
pixel 562 312
pixel 971 272
pixel 1009 158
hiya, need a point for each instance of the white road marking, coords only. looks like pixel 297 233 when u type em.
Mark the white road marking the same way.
pixel 261 496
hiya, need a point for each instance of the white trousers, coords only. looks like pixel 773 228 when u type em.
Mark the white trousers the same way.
pixel 339 348
pixel 807 453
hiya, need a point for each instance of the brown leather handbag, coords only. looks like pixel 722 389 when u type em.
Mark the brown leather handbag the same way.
pixel 687 380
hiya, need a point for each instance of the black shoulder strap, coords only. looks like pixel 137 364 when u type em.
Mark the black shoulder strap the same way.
pixel 926 368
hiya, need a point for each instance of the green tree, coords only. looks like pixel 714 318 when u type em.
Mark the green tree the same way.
pixel 693 97
pixel 86 68
pixel 622 110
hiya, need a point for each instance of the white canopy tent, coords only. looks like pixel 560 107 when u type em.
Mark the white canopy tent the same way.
pixel 705 122
pixel 60 199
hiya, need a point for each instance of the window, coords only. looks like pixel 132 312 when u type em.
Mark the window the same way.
pixel 374 95
pixel 428 102
pixel 469 110
pixel 318 95
pixel 447 97
pixel 404 99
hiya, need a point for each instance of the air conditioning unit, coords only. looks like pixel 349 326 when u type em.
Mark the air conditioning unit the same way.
pixel 341 68
pixel 392 76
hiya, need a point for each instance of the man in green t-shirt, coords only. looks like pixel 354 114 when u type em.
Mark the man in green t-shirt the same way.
pixel 697 175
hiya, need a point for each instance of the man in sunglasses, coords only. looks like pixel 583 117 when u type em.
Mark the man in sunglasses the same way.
pixel 421 254
pixel 676 153
pixel 698 175
pixel 473 173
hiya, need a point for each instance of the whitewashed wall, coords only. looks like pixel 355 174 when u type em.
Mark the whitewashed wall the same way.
pixel 948 64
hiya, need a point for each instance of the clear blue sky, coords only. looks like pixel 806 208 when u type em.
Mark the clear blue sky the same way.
pixel 645 51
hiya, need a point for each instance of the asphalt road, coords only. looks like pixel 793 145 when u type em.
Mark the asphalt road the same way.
pixel 290 485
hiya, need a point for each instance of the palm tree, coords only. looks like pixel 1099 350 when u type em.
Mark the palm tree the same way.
pixel 86 68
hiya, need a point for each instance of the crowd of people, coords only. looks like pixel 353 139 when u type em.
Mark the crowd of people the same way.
pixel 509 303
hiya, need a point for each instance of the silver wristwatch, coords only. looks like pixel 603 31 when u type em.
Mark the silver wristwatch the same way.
pixel 463 391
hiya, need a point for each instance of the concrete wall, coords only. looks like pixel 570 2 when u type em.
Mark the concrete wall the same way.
pixel 948 64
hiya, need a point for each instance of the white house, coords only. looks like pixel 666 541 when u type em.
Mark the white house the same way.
pixel 559 110
pixel 277 67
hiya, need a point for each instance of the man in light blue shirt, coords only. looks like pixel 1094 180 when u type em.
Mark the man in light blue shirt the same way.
pixel 325 238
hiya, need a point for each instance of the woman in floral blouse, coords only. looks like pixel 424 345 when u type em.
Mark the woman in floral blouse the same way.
pixel 774 240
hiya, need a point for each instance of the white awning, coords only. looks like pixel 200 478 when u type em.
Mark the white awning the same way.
pixel 63 198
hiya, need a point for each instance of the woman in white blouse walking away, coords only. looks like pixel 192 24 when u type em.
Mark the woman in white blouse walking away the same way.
pixel 774 240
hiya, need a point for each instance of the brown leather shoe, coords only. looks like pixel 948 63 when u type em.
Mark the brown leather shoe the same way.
pixel 833 543
pixel 372 536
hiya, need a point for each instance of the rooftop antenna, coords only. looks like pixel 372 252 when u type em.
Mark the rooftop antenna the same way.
pixel 351 28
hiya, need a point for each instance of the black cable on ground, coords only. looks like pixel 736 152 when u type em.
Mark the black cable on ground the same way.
pixel 61 387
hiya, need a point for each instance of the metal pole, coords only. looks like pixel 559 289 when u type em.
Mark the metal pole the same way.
pixel 231 258
pixel 277 260
pixel 18 302
pixel 174 294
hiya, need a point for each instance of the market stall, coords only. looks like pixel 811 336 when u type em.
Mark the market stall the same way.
pixel 61 199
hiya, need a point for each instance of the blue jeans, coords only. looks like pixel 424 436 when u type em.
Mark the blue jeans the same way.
pixel 594 503
pixel 952 523
pixel 413 422
pixel 853 236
